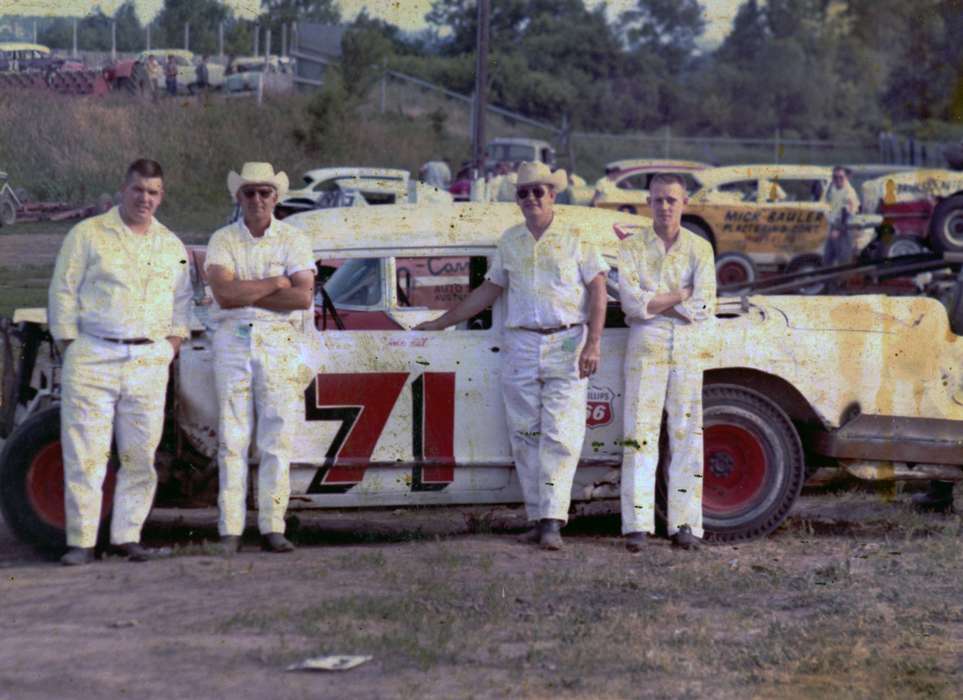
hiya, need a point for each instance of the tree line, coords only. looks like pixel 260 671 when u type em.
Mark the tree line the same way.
pixel 825 69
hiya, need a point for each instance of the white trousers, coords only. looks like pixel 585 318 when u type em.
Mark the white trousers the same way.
pixel 545 408
pixel 661 371
pixel 256 370
pixel 111 390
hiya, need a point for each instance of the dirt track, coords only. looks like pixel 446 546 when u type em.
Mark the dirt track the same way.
pixel 854 597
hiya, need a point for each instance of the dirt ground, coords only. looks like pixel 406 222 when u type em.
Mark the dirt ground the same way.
pixel 855 596
pixel 20 249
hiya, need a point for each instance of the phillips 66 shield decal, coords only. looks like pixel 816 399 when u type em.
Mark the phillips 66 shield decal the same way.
pixel 598 409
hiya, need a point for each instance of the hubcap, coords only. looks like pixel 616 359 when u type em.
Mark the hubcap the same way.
pixel 953 227
pixel 737 465
pixel 45 487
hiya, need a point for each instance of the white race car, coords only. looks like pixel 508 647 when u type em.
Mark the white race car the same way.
pixel 398 417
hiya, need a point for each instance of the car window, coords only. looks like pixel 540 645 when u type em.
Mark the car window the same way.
pixel 439 283
pixel 356 283
pixel 639 181
pixel 800 190
pixel 740 190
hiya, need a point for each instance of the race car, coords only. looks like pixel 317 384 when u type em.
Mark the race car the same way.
pixel 764 218
pixel 627 187
pixel 924 206
pixel 397 417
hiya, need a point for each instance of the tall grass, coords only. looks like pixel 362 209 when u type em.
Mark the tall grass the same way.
pixel 74 149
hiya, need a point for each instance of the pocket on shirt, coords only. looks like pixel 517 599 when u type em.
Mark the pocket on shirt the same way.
pixel 276 269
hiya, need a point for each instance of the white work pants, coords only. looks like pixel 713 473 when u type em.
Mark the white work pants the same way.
pixel 545 408
pixel 256 369
pixel 661 371
pixel 111 390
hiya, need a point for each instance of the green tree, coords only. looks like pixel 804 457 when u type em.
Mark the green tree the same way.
pixel 670 28
pixel 276 13
pixel 204 17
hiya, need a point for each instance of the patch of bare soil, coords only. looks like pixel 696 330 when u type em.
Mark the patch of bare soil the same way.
pixel 20 249
pixel 854 597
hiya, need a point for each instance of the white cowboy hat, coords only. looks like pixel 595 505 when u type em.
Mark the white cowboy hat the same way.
pixel 539 173
pixel 257 174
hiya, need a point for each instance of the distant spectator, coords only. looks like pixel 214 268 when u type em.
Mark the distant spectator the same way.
pixel 170 74
pixel 156 74
pixel 436 173
pixel 843 203
pixel 506 186
pixel 203 78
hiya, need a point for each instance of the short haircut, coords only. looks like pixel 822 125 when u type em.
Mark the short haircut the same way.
pixel 668 179
pixel 144 167
pixel 846 171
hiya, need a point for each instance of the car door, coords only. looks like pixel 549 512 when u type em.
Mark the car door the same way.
pixel 793 219
pixel 400 416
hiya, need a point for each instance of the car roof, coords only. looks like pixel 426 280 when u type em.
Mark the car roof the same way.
pixel 713 177
pixel 878 168
pixel 457 225
pixel 633 163
pixel 622 174
pixel 22 46
pixel 184 53
pixel 519 140
pixel 921 175
pixel 339 172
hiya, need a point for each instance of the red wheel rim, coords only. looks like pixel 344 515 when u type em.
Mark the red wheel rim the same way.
pixel 735 469
pixel 732 273
pixel 45 487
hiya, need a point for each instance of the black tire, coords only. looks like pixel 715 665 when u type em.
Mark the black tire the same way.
pixel 805 263
pixel 946 226
pixel 35 445
pixel 628 209
pixel 753 500
pixel 735 268
pixel 954 306
pixel 8 212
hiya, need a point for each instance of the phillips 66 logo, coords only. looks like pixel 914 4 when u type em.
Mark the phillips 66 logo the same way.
pixel 598 409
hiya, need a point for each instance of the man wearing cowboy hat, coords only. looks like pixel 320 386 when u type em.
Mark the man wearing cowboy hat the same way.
pixel 119 308
pixel 261 273
pixel 556 284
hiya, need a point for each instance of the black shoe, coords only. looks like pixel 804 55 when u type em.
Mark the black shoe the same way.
pixel 684 539
pixel 78 556
pixel 551 535
pixel 230 544
pixel 937 498
pixel 135 551
pixel 532 536
pixel 276 542
pixel 637 541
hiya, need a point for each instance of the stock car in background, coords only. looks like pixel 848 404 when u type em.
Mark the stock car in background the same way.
pixel 764 218
pixel 923 207
pixel 627 188
pixel 397 417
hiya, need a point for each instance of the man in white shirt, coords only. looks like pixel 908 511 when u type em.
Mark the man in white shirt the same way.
pixel 555 284
pixel 843 203
pixel 667 285
pixel 119 308
pixel 261 272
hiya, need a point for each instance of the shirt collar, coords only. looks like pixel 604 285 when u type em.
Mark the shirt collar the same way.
pixel 680 246
pixel 270 232
pixel 114 222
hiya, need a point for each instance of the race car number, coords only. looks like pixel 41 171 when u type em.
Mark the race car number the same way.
pixel 362 402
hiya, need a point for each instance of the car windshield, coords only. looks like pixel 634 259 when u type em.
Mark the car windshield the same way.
pixel 356 283
pixel 510 152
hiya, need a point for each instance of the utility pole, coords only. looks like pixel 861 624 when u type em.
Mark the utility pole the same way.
pixel 35 31
pixel 113 39
pixel 148 36
pixel 267 42
pixel 75 38
pixel 220 41
pixel 284 39
pixel 481 88
pixel 257 38
pixel 187 36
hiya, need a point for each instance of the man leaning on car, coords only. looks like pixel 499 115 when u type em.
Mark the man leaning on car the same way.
pixel 556 284
pixel 119 307
pixel 261 272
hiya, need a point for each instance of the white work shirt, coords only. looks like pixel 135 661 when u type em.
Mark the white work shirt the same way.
pixel 647 269
pixel 546 279
pixel 840 198
pixel 282 250
pixel 110 282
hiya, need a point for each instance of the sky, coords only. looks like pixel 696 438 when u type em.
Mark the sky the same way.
pixel 407 14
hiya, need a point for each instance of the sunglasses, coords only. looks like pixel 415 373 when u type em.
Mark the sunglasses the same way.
pixel 262 192
pixel 537 192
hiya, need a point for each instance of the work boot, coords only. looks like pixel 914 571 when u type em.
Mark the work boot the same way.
pixel 551 535
pixel 531 536
pixel 684 539
pixel 78 556
pixel 230 544
pixel 636 541
pixel 135 551
pixel 937 498
pixel 276 542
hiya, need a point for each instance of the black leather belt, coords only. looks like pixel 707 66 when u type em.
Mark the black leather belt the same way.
pixel 127 341
pixel 549 331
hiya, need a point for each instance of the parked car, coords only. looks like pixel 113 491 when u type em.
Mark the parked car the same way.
pixel 22 57
pixel 925 206
pixel 764 218
pixel 630 163
pixel 247 71
pixel 395 417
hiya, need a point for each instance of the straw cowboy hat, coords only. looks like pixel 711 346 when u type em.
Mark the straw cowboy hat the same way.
pixel 257 174
pixel 541 174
